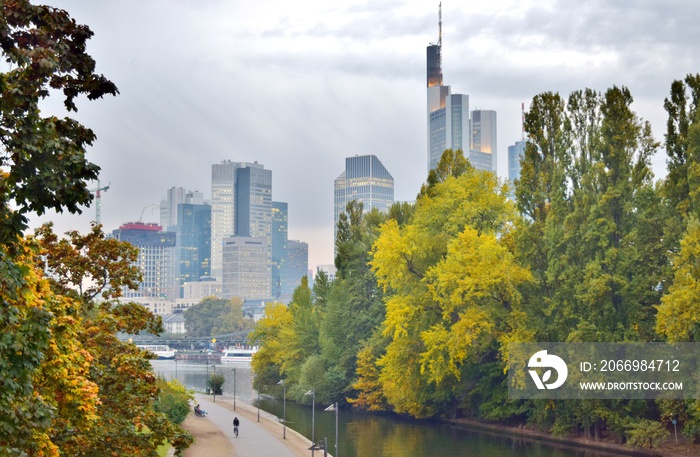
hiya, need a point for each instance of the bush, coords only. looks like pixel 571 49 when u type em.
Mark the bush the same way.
pixel 646 433
pixel 215 383
pixel 173 400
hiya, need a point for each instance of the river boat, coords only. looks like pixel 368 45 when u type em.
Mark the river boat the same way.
pixel 237 355
pixel 162 351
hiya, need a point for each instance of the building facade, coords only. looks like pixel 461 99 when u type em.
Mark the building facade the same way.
pixel 246 267
pixel 169 205
pixel 280 228
pixel 366 180
pixel 295 268
pixel 241 202
pixel 484 140
pixel 156 259
pixel 193 252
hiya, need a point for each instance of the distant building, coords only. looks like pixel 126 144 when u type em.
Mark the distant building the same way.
pixel 156 259
pixel 246 267
pixel 197 290
pixel 174 323
pixel 279 246
pixel 515 154
pixel 484 139
pixel 450 123
pixel 193 250
pixel 241 201
pixel 366 180
pixel 329 270
pixel 295 268
pixel 169 205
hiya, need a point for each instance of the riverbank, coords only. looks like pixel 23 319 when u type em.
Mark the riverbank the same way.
pixel 667 450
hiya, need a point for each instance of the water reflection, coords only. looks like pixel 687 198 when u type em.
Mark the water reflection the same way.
pixel 364 434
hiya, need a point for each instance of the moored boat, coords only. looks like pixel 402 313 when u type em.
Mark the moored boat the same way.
pixel 237 355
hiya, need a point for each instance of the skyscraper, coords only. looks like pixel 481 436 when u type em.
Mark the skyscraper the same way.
pixel 279 245
pixel 450 121
pixel 296 266
pixel 246 267
pixel 365 179
pixel 156 259
pixel 222 209
pixel 193 252
pixel 174 197
pixel 241 201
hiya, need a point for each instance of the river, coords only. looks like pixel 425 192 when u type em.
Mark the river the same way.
pixel 365 434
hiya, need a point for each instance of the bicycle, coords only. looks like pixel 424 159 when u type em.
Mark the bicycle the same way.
pixel 236 423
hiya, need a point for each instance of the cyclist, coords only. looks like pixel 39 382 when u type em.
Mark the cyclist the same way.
pixel 236 423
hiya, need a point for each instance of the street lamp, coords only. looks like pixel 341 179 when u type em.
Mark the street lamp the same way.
pixel 312 392
pixel 334 407
pixel 284 408
pixel 206 362
pixel 213 389
pixel 234 389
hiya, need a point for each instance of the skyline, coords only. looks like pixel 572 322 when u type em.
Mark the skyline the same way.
pixel 300 87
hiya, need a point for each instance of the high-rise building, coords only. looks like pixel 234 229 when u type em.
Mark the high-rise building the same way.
pixel 484 136
pixel 279 246
pixel 174 197
pixel 246 267
pixel 296 267
pixel 193 250
pixel 241 202
pixel 156 259
pixel 450 123
pixel 366 180
pixel 223 183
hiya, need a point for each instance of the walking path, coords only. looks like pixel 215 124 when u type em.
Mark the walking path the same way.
pixel 263 438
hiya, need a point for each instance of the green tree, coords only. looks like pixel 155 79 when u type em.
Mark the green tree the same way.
pixel 442 313
pixel 216 316
pixel 173 400
pixel 43 157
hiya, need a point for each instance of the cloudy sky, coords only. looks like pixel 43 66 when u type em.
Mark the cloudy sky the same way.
pixel 298 86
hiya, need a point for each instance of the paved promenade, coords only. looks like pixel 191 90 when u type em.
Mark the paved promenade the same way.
pixel 255 438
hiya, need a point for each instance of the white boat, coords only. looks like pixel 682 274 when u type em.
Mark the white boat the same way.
pixel 162 351
pixel 237 355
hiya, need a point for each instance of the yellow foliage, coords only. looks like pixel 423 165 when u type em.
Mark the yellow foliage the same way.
pixel 679 312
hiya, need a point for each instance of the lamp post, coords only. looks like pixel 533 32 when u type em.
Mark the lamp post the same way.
pixel 334 407
pixel 234 388
pixel 284 409
pixel 213 389
pixel 175 366
pixel 206 362
pixel 312 392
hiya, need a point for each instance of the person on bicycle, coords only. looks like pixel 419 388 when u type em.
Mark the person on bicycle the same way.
pixel 236 423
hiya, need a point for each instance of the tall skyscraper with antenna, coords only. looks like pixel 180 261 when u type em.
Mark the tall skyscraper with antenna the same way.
pixel 450 123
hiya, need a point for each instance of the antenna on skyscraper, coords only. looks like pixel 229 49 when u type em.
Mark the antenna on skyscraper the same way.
pixel 440 24
pixel 439 43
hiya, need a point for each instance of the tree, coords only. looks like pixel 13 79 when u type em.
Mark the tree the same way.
pixel 114 375
pixel 216 316
pixel 43 158
pixel 450 289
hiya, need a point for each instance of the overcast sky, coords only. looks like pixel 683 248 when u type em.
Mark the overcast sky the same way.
pixel 300 85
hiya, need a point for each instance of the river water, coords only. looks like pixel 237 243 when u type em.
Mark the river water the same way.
pixel 363 434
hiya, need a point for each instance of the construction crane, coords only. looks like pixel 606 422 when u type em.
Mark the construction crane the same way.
pixel 98 199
